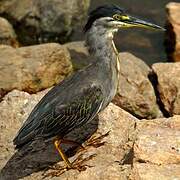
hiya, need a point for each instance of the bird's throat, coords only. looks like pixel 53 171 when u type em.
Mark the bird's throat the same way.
pixel 100 44
pixel 102 49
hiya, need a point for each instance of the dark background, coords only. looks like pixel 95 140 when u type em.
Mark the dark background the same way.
pixel 145 44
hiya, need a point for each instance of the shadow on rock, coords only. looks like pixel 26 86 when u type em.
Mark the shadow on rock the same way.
pixel 39 155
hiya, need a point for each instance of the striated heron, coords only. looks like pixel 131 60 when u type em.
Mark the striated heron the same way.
pixel 80 97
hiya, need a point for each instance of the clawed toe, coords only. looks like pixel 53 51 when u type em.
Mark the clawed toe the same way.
pixel 96 141
pixel 77 164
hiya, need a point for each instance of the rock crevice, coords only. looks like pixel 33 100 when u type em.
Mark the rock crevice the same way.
pixel 154 81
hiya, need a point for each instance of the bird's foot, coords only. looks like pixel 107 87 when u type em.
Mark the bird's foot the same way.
pixel 96 141
pixel 77 164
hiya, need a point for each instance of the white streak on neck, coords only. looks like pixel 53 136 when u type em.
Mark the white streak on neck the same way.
pixel 117 54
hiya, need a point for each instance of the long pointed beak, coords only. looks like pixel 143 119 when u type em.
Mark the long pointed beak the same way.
pixel 135 22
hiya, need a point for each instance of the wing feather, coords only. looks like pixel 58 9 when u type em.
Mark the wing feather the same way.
pixel 63 117
pixel 69 116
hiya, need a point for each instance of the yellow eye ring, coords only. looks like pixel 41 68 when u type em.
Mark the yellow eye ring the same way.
pixel 116 17
pixel 120 17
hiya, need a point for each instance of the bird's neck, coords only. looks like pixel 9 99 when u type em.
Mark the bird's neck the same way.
pixel 101 45
pixel 102 49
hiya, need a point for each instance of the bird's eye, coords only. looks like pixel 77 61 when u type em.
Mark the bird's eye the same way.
pixel 121 17
pixel 116 17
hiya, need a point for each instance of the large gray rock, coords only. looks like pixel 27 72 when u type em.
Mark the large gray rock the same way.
pixel 7 34
pixel 38 21
pixel 169 85
pixel 106 155
pixel 173 31
pixel 135 92
pixel 33 68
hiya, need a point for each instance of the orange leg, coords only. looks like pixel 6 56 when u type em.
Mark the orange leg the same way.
pixel 78 163
pixel 57 143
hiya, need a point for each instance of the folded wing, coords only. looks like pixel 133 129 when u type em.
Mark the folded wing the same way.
pixel 62 117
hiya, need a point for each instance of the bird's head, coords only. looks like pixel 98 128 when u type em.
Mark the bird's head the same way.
pixel 113 17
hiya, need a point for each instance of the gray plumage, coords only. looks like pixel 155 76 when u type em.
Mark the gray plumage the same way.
pixel 80 97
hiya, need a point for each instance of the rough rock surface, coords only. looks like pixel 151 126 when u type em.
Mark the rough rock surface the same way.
pixel 117 146
pixel 157 149
pixel 19 104
pixel 7 34
pixel 135 91
pixel 144 171
pixel 173 33
pixel 38 21
pixel 106 155
pixel 169 85
pixel 33 68
pixel 158 141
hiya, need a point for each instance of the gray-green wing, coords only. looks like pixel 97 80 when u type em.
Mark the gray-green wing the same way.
pixel 68 116
pixel 62 117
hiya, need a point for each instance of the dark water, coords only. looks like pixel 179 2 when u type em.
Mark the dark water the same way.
pixel 146 44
